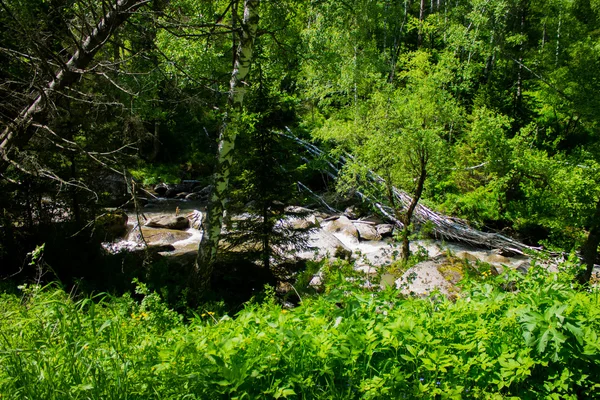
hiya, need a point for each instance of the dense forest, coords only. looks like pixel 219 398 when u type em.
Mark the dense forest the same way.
pixel 483 113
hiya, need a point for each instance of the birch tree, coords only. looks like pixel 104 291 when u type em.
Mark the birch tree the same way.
pixel 207 252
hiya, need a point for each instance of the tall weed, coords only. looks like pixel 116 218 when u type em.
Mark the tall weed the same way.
pixel 539 340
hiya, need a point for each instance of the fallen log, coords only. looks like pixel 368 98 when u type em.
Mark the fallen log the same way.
pixel 444 227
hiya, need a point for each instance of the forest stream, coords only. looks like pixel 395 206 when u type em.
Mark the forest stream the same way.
pixel 367 241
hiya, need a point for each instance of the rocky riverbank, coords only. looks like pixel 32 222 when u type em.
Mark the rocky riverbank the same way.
pixel 171 230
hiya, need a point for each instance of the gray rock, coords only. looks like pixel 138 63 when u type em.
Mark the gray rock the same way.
pixel 352 212
pixel 168 222
pixel 385 230
pixel 366 231
pixel 298 210
pixel 423 279
pixel 523 268
pixel 156 236
pixel 317 281
pixel 343 225
pixel 302 224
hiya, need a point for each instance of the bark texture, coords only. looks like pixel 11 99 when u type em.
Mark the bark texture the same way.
pixel 407 218
pixel 19 132
pixel 589 250
pixel 207 253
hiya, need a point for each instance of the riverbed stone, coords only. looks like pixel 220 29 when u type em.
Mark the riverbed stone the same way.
pixel 343 225
pixel 423 279
pixel 366 231
pixel 302 224
pixel 168 222
pixel 156 236
pixel 385 230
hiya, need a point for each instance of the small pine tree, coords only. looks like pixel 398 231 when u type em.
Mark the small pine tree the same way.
pixel 269 170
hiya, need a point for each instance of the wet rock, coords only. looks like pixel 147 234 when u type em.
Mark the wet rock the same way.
pixel 168 222
pixel 343 225
pixel 366 231
pixel 180 259
pixel 196 218
pixel 284 287
pixel 181 195
pixel 173 192
pixel 277 206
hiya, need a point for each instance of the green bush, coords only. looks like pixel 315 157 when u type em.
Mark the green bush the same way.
pixel 539 340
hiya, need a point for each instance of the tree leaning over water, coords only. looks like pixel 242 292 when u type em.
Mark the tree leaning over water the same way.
pixel 20 130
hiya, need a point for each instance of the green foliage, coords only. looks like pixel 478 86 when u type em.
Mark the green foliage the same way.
pixel 539 341
pixel 153 174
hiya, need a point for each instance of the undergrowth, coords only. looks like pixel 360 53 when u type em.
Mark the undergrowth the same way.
pixel 503 337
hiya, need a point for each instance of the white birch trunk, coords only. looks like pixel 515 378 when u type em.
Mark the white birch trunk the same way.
pixel 207 252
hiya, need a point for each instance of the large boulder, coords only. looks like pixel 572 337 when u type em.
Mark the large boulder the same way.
pixel 303 224
pixel 423 279
pixel 366 231
pixel 342 225
pixel 111 225
pixel 324 244
pixel 168 222
pixel 155 236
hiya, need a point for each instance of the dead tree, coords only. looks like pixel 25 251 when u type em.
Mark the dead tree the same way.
pixel 19 132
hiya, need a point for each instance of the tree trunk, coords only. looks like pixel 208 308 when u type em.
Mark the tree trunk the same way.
pixel 19 132
pixel 589 250
pixel 421 17
pixel 207 252
pixel 407 217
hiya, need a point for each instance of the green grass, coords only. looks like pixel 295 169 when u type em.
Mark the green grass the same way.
pixel 539 341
